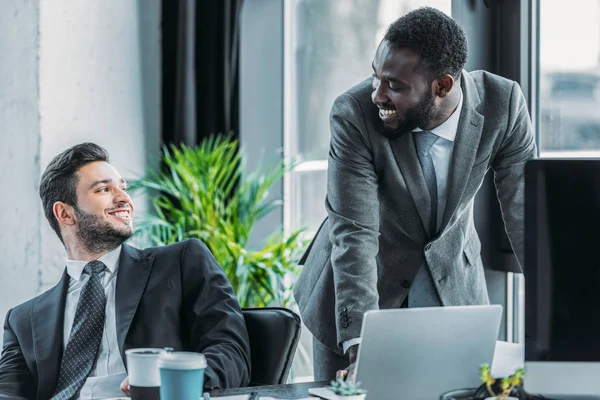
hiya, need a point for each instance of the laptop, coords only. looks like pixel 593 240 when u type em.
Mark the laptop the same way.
pixel 420 353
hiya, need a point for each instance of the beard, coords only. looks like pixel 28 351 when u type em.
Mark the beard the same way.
pixel 416 117
pixel 97 235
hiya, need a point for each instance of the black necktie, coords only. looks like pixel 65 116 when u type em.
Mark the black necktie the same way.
pixel 80 354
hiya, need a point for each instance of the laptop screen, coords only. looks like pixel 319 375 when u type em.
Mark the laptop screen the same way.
pixel 562 268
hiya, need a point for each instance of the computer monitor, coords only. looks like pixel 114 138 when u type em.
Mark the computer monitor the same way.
pixel 562 278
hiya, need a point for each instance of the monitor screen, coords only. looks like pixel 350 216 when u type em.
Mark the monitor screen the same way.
pixel 562 261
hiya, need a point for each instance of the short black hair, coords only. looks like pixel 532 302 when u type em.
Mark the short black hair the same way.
pixel 59 181
pixel 437 38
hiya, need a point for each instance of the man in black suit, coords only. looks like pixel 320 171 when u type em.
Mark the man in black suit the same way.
pixel 70 341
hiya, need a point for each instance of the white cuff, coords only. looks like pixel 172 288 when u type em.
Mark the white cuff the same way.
pixel 349 343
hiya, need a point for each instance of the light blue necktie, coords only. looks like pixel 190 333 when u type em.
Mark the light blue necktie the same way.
pixel 80 354
pixel 422 291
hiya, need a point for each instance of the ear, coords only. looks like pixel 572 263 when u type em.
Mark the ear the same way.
pixel 443 85
pixel 64 213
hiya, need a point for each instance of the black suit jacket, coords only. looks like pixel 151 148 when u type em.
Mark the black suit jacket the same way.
pixel 171 296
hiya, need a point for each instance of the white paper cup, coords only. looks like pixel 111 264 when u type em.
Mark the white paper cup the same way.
pixel 143 372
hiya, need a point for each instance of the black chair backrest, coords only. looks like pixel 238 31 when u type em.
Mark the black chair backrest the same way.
pixel 274 333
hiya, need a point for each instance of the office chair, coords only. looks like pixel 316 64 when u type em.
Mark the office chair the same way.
pixel 274 333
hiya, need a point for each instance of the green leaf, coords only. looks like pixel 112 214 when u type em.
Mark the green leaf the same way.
pixel 205 192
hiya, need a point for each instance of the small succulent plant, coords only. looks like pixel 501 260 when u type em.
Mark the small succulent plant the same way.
pixel 343 387
pixel 506 385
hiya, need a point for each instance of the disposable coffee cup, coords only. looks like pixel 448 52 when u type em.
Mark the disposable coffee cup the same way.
pixel 181 375
pixel 143 373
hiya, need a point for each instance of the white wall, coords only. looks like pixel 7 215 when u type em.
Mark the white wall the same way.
pixel 20 212
pixel 71 71
pixel 91 89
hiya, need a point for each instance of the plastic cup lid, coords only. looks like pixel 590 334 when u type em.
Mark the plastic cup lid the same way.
pixel 142 366
pixel 144 352
pixel 182 360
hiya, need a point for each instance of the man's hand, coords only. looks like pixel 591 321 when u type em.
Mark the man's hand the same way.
pixel 125 386
pixel 349 373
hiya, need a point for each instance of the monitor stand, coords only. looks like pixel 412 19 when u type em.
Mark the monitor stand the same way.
pixel 563 380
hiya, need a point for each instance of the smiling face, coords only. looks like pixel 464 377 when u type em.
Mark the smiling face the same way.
pixel 104 211
pixel 402 91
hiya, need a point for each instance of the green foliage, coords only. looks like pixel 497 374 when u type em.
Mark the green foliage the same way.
pixel 507 384
pixel 204 192
pixel 343 387
pixel 485 375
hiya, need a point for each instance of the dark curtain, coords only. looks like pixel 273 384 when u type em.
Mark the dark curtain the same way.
pixel 200 47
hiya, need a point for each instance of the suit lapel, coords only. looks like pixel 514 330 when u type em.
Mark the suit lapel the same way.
pixel 408 161
pixel 468 136
pixel 134 270
pixel 47 321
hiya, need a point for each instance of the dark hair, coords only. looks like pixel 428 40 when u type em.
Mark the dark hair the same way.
pixel 437 38
pixel 59 181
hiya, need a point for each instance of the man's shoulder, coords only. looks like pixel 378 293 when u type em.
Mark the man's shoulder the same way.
pixel 178 247
pixel 488 82
pixel 24 310
pixel 360 92
pixel 356 103
pixel 492 93
pixel 361 89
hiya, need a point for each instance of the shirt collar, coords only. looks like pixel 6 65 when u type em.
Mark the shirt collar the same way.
pixel 449 127
pixel 110 259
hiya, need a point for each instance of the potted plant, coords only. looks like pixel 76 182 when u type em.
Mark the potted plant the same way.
pixel 506 385
pixel 347 389
pixel 205 192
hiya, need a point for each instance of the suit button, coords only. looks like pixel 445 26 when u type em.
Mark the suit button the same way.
pixel 428 246
pixel 405 284
pixel 345 324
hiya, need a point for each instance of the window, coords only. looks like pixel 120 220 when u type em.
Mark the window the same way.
pixel 569 78
pixel 329 47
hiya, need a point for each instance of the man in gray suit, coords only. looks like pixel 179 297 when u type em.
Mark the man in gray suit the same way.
pixel 409 149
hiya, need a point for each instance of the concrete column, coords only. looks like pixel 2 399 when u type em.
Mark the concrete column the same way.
pixel 99 82
pixel 19 153
pixel 71 71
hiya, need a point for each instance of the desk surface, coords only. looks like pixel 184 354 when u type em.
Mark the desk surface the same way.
pixel 290 391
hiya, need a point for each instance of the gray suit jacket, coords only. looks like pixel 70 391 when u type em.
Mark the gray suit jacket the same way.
pixel 367 252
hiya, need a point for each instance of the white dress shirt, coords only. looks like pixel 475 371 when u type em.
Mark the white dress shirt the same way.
pixel 109 371
pixel 441 155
